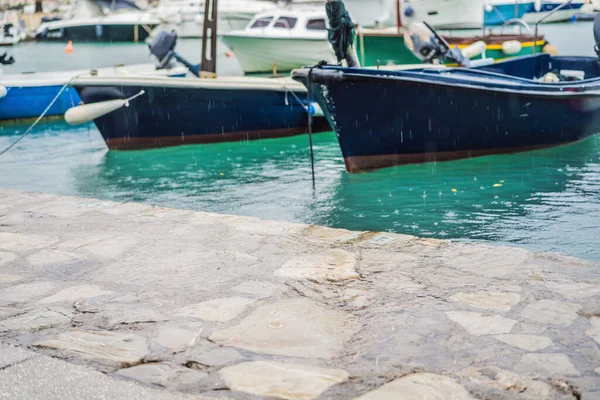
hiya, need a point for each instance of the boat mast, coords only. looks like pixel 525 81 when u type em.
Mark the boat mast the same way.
pixel 209 62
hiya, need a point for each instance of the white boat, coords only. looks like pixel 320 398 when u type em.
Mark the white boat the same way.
pixel 542 8
pixel 285 38
pixel 10 35
pixel 186 17
pixel 90 21
pixel 442 14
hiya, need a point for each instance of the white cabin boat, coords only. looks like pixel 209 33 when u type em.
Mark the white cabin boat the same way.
pixel 186 17
pixel 285 38
pixel 92 21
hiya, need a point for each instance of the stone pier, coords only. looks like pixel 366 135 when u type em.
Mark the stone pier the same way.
pixel 118 300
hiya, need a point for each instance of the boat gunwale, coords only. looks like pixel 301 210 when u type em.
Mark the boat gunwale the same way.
pixel 518 85
pixel 239 83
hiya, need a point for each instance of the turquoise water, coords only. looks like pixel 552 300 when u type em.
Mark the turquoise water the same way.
pixel 545 200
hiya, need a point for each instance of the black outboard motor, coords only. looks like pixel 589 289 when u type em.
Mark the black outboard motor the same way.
pixel 597 35
pixel 6 61
pixel 163 48
pixel 429 47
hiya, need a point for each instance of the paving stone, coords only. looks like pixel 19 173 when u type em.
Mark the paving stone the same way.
pixel 534 329
pixel 6 257
pixel 594 330
pixel 26 292
pixel 47 257
pixel 297 328
pixel 216 357
pixel 574 290
pixel 487 261
pixel 332 265
pixel 10 278
pixel 551 312
pixel 493 301
pixel 256 289
pixel 7 312
pixel 37 320
pixel 20 242
pixel 124 315
pixel 76 293
pixel 117 347
pixel 526 342
pixel 46 378
pixel 281 380
pixel 478 324
pixel 176 339
pixel 166 375
pixel 422 386
pixel 10 355
pixel 219 310
pixel 550 364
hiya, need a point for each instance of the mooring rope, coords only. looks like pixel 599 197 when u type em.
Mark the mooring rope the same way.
pixel 40 117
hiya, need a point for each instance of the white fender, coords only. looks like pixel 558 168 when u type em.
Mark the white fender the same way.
pixel 538 5
pixel 511 47
pixel 89 112
pixel 474 49
pixel 315 110
pixel 3 91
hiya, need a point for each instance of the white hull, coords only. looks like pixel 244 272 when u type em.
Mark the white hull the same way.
pixel 559 16
pixel 443 14
pixel 258 54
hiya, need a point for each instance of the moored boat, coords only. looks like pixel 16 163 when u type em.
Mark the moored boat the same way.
pixel 90 21
pixel 28 95
pixel 548 11
pixel 284 39
pixel 175 112
pixel 428 115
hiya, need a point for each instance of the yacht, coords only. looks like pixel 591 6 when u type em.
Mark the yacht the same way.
pixel 100 21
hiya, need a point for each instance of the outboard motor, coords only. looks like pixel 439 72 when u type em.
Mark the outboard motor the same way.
pixel 163 48
pixel 6 61
pixel 429 47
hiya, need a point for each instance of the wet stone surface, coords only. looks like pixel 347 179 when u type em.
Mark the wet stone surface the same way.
pixel 214 306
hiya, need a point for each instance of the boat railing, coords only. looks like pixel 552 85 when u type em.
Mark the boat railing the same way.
pixel 537 24
pixel 517 21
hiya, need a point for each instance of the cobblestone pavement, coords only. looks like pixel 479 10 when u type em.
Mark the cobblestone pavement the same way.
pixel 199 305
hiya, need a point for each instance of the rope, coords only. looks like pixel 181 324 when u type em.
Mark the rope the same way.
pixel 40 117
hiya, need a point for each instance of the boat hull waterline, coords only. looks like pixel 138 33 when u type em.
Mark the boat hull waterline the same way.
pixel 182 114
pixel 408 119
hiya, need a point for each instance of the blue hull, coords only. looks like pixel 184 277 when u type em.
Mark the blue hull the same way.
pixel 172 116
pixel 425 116
pixel 503 12
pixel 30 102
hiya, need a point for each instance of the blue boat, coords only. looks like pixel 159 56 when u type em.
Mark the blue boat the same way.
pixel 497 12
pixel 28 95
pixel 384 118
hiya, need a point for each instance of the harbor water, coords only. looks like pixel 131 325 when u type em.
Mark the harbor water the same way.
pixel 546 200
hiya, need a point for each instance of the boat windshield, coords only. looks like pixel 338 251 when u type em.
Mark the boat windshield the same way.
pixel 262 22
pixel 285 23
pixel 316 24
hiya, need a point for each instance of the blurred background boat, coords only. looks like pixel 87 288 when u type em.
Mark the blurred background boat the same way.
pixel 100 21
pixel 542 9
pixel 498 12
